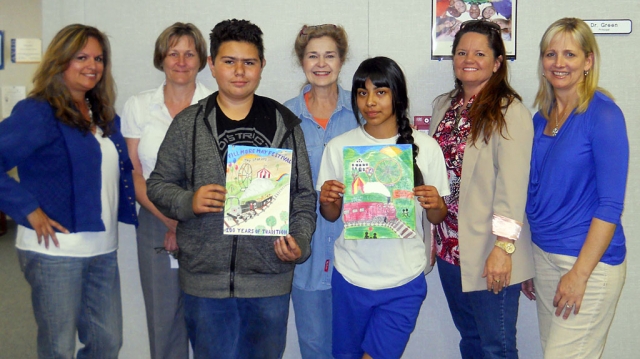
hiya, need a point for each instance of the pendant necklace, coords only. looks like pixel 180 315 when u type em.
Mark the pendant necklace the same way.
pixel 456 126
pixel 554 132
pixel 86 100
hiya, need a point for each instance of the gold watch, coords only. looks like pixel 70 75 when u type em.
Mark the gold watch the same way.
pixel 506 246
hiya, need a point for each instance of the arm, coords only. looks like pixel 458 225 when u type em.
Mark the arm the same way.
pixel 167 184
pixel 132 123
pixel 608 141
pixel 303 199
pixel 434 173
pixel 432 202
pixel 141 195
pixel 513 158
pixel 572 285
pixel 22 135
pixel 331 200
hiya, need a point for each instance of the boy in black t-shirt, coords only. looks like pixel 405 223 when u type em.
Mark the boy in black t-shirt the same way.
pixel 236 287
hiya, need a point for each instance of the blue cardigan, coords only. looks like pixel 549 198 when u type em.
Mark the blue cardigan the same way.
pixel 579 175
pixel 59 169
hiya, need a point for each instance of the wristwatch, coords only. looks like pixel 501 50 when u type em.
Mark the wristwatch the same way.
pixel 505 246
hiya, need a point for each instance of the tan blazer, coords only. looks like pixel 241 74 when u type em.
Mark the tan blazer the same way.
pixel 495 177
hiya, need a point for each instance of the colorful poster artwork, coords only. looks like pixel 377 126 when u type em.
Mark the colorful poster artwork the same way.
pixel 257 186
pixel 378 200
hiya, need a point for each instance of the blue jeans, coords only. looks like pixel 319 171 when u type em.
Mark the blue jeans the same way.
pixel 75 294
pixel 247 328
pixel 313 322
pixel 486 321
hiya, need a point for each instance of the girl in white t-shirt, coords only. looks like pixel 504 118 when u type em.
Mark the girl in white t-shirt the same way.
pixel 378 284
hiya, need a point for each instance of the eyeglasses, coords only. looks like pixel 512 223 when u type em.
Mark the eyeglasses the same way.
pixel 307 29
pixel 160 250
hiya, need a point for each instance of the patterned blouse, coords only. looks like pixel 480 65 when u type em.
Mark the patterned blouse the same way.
pixel 451 134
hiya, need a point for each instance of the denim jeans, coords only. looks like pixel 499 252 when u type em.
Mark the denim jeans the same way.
pixel 486 321
pixel 75 294
pixel 313 322
pixel 246 328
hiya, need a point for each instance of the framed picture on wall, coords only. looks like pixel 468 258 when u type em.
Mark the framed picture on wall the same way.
pixel 449 15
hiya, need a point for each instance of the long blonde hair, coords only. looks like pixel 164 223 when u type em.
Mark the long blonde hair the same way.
pixel 583 36
pixel 48 83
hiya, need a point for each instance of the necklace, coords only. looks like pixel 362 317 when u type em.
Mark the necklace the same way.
pixel 86 100
pixel 554 132
pixel 456 126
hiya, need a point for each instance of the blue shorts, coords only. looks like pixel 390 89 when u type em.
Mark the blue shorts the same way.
pixel 376 322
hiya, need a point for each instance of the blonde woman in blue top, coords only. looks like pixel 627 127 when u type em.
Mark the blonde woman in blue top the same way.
pixel 325 110
pixel 576 196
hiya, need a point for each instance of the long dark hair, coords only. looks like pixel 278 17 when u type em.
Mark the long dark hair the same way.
pixel 497 94
pixel 384 72
pixel 48 83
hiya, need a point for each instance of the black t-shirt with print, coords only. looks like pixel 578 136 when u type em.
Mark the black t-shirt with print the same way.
pixel 257 129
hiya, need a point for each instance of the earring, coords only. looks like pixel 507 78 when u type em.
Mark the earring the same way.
pixel 586 72
pixel 543 75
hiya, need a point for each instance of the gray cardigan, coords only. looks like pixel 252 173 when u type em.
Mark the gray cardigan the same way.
pixel 212 264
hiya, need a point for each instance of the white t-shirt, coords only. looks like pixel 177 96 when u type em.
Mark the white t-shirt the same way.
pixel 146 117
pixel 383 263
pixel 87 244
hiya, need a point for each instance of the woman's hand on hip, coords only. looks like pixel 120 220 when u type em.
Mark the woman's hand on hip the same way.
pixel 44 227
pixel 497 270
pixel 569 294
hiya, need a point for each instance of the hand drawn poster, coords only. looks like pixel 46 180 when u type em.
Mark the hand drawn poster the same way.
pixel 378 200
pixel 257 201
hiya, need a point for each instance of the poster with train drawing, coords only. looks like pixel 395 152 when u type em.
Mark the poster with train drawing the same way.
pixel 257 201
pixel 378 200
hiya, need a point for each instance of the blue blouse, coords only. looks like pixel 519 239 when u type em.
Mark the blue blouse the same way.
pixel 315 273
pixel 579 175
pixel 59 169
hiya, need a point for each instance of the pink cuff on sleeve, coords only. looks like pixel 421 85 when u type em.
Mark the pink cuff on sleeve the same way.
pixel 506 227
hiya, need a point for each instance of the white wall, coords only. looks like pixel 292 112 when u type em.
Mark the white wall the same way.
pixel 13 17
pixel 400 30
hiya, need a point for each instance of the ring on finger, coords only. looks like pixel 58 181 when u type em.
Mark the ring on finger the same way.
pixel 568 305
pixel 497 280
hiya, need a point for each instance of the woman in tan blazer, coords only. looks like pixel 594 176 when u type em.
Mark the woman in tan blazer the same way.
pixel 483 245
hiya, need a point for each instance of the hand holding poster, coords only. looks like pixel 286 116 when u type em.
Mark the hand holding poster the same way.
pixel 378 200
pixel 257 186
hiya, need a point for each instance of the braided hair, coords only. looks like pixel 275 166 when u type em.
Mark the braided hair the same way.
pixel 384 72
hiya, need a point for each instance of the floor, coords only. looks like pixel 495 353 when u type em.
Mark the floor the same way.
pixel 18 329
